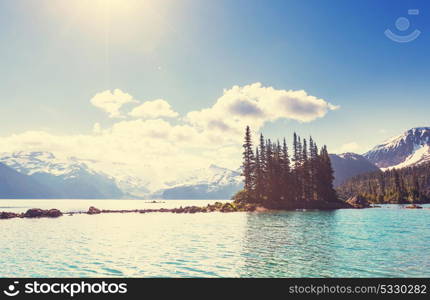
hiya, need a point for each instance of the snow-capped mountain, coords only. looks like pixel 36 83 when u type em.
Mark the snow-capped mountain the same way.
pixel 408 149
pixel 348 165
pixel 67 178
pixel 31 163
pixel 133 183
pixel 14 185
pixel 208 183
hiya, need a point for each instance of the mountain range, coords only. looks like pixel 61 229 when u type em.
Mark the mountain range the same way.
pixel 43 175
pixel 57 178
pixel 348 165
pixel 408 149
pixel 210 183
pixel 14 185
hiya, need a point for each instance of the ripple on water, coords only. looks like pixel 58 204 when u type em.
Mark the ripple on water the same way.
pixel 344 243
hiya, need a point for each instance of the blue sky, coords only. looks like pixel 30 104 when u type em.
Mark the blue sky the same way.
pixel 56 56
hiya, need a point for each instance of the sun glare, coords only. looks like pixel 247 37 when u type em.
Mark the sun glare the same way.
pixel 97 13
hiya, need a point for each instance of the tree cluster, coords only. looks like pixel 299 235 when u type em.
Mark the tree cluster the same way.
pixel 407 185
pixel 274 180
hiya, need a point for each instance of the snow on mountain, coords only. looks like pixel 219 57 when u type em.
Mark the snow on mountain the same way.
pixel 68 177
pixel 408 149
pixel 30 163
pixel 212 175
pixel 133 183
pixel 207 183
pixel 77 178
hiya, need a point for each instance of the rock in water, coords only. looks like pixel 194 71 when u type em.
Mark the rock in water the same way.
pixel 8 215
pixel 414 206
pixel 93 211
pixel 358 202
pixel 54 213
pixel 40 213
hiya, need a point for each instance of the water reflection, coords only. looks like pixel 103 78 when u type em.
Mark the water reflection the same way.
pixel 343 243
pixel 299 244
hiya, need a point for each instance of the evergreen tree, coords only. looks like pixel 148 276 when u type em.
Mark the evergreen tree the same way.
pixel 313 169
pixel 248 160
pixel 306 188
pixel 287 188
pixel 259 179
pixel 272 181
pixel 407 185
pixel 263 167
pixel 326 174
pixel 270 175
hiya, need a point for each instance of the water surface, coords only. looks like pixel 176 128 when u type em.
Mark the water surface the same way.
pixel 380 242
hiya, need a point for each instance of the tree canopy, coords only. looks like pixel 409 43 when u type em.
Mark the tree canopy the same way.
pixel 273 180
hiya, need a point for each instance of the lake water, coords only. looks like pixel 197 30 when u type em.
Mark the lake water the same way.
pixel 379 242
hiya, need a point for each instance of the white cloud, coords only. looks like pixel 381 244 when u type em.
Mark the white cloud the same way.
pixel 165 150
pixel 255 105
pixel 111 102
pixel 153 109
pixel 348 147
pixel 97 128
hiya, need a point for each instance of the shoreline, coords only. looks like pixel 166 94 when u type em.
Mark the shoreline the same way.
pixel 216 207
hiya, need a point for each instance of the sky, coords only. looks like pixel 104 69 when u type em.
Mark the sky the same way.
pixel 162 85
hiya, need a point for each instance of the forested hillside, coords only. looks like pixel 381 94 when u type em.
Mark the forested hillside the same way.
pixel 407 185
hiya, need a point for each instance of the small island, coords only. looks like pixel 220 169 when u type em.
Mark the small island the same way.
pixel 274 181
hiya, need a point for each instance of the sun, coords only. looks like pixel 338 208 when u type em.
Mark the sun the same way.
pixel 98 10
pixel 97 13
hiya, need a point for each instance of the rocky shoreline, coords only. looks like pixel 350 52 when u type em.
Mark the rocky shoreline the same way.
pixel 55 213
pixel 216 207
pixel 32 213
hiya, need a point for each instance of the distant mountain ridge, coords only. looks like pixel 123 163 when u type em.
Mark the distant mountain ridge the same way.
pixel 65 178
pixel 51 177
pixel 408 149
pixel 14 185
pixel 72 178
pixel 208 183
pixel 348 165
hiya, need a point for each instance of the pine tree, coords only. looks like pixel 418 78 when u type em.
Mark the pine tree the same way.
pixel 296 151
pixel 272 181
pixel 248 161
pixel 313 169
pixel 326 177
pixel 259 179
pixel 305 173
pixel 296 174
pixel 263 167
pixel 270 175
pixel 286 192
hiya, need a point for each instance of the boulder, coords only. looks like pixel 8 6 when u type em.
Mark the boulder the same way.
pixel 40 213
pixel 53 213
pixel 227 207
pixel 413 206
pixel 358 202
pixel 93 211
pixel 8 215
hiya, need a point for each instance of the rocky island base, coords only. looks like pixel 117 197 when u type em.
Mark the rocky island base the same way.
pixel 353 203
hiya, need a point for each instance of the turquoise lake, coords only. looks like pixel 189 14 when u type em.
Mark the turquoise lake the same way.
pixel 378 242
